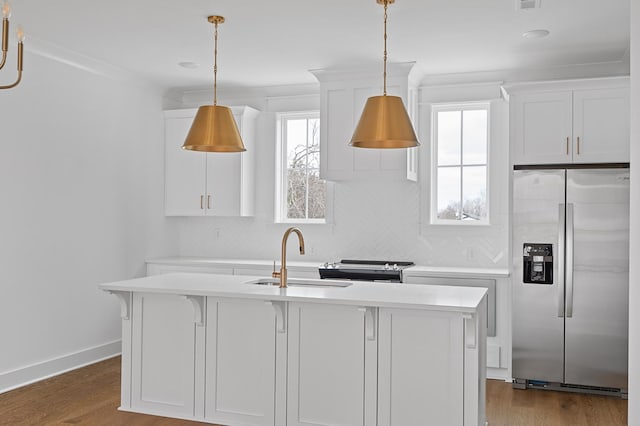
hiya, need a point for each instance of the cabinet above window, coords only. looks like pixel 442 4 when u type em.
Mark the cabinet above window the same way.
pixel 343 93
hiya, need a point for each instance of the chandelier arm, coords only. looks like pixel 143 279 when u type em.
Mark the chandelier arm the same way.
pixel 5 41
pixel 10 86
pixel 20 55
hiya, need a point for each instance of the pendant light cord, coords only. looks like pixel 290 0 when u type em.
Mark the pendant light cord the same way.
pixel 385 48
pixel 215 64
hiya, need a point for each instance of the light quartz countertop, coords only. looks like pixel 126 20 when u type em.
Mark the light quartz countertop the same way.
pixel 245 263
pixel 366 294
pixel 418 270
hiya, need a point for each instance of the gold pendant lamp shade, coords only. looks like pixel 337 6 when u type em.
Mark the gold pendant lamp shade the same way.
pixel 214 129
pixel 384 122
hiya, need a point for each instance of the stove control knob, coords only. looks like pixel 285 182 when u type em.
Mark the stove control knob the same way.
pixel 395 267
pixel 325 265
pixel 386 267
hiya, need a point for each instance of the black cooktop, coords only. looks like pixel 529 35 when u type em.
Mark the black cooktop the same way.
pixel 364 270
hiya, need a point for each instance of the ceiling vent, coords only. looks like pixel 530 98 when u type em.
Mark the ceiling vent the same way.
pixel 527 4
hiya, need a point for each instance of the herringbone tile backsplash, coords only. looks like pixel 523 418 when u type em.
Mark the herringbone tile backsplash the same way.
pixel 371 220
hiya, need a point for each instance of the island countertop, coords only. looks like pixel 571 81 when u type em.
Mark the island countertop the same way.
pixel 388 295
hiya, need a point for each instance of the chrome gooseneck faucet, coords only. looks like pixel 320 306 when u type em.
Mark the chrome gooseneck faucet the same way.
pixel 283 263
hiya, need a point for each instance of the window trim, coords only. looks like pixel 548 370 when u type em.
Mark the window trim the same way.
pixel 280 214
pixel 458 106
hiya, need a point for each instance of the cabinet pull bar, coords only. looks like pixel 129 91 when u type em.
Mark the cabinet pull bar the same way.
pixel 201 202
pixel 208 201
pixel 578 145
pixel 567 145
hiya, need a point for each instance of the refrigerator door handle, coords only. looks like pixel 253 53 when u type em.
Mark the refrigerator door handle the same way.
pixel 560 258
pixel 569 260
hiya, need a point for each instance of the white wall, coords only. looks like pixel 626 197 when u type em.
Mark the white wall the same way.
pixel 381 219
pixel 634 268
pixel 81 172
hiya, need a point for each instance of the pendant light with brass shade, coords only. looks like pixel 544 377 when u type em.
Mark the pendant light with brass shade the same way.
pixel 384 122
pixel 214 129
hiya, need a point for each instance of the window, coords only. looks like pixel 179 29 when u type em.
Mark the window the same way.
pixel 301 194
pixel 460 166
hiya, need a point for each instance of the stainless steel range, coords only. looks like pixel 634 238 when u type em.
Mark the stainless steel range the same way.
pixel 364 270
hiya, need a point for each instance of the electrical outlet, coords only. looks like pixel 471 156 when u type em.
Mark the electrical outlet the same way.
pixel 470 254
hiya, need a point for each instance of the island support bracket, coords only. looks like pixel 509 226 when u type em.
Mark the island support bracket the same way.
pixel 125 302
pixel 370 321
pixel 470 331
pixel 281 315
pixel 198 303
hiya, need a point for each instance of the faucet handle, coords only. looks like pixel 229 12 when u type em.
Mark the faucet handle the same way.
pixel 275 274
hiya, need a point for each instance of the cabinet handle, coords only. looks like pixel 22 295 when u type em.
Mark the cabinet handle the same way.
pixel 578 145
pixel 567 145
pixel 208 201
pixel 201 202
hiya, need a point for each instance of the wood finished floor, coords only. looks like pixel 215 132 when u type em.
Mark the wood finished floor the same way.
pixel 90 396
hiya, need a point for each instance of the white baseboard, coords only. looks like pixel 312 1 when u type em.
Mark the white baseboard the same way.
pixel 498 374
pixel 43 370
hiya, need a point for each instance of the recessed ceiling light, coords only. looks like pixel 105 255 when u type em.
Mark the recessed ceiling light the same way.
pixel 189 65
pixel 535 34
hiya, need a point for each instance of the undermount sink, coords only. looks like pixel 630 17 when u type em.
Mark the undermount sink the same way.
pixel 300 283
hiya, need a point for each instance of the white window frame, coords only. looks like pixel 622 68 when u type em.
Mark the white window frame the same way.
pixel 281 170
pixel 459 106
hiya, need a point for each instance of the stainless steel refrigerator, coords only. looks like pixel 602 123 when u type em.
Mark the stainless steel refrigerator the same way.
pixel 570 245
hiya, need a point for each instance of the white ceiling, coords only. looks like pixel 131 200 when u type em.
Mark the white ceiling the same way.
pixel 276 42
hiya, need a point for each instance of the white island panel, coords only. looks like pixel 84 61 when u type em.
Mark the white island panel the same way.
pixel 421 362
pixel 327 361
pixel 163 354
pixel 241 353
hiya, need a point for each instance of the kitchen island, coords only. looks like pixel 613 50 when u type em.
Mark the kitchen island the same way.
pixel 226 350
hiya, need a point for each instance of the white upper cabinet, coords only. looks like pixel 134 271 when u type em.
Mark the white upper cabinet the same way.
pixel 580 124
pixel 209 184
pixel 343 94
pixel 542 124
pixel 601 125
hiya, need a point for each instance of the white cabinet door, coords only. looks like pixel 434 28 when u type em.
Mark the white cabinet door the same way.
pixel 163 356
pixel 185 171
pixel 241 362
pixel 224 185
pixel 601 125
pixel 331 365
pixel 420 367
pixel 209 184
pixel 542 130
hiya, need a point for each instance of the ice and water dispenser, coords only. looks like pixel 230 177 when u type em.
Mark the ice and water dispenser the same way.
pixel 538 263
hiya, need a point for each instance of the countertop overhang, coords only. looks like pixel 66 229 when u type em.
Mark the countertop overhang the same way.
pixel 388 295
